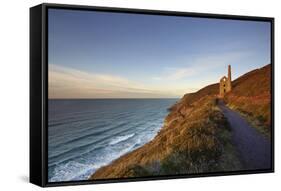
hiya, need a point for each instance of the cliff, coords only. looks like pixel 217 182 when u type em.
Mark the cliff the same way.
pixel 196 136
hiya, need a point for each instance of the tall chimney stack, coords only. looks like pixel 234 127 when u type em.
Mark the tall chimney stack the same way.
pixel 229 79
pixel 229 73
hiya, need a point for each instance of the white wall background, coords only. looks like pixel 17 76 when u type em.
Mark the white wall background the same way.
pixel 14 94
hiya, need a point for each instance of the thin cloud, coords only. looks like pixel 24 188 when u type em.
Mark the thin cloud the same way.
pixel 66 82
pixel 198 65
pixel 179 73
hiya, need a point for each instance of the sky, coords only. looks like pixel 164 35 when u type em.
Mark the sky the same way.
pixel 121 55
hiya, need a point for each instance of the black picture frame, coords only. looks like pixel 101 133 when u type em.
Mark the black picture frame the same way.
pixel 39 91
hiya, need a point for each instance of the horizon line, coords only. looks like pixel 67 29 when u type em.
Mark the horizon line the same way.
pixel 111 98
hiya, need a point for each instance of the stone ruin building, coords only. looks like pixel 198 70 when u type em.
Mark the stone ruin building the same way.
pixel 225 84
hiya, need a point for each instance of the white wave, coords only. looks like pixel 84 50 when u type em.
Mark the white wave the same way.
pixel 73 170
pixel 120 139
pixel 81 170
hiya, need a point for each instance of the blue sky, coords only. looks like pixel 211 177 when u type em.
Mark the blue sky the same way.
pixel 120 55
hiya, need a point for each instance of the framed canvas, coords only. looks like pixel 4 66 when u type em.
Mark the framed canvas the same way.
pixel 131 95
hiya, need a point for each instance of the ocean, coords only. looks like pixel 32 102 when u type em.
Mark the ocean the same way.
pixel 84 135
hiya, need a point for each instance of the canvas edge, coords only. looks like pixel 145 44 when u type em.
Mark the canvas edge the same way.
pixel 42 179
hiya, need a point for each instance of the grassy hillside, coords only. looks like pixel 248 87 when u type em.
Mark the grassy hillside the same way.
pixel 187 102
pixel 197 140
pixel 251 96
pixel 196 136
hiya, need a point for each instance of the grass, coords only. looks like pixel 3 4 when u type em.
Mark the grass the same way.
pixel 251 97
pixel 194 142
pixel 209 149
pixel 256 119
pixel 196 137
